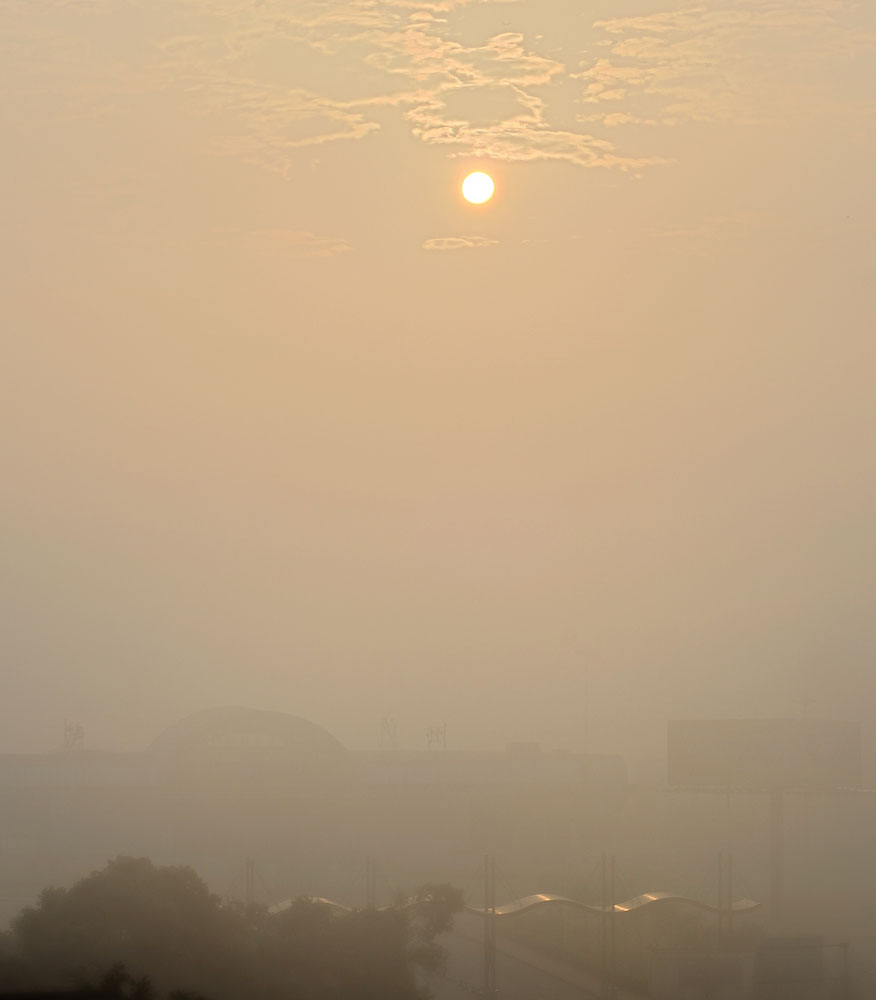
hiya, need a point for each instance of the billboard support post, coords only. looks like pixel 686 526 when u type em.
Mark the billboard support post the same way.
pixel 763 755
pixel 777 853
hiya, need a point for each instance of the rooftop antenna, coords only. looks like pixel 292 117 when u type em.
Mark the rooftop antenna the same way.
pixel 74 735
pixel 388 733
pixel 436 736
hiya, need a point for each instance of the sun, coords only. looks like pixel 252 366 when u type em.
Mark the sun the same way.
pixel 478 188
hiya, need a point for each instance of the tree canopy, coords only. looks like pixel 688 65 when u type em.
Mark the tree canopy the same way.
pixel 136 929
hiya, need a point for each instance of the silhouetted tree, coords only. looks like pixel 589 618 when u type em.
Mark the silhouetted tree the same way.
pixel 118 984
pixel 431 912
pixel 312 954
pixel 160 922
pixel 139 931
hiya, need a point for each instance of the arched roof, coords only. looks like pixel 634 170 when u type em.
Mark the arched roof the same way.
pixel 247 733
pixel 646 899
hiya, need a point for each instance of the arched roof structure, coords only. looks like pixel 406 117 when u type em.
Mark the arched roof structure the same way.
pixel 253 746
pixel 526 903
pixel 246 728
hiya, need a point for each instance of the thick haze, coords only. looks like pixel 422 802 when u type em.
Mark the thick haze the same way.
pixel 287 424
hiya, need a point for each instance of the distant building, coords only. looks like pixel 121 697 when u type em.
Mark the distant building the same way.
pixel 230 783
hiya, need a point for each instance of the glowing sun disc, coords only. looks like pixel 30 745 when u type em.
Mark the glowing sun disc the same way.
pixel 478 188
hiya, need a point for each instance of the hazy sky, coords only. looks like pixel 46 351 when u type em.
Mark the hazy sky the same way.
pixel 286 423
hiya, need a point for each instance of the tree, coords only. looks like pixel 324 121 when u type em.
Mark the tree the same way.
pixel 433 907
pixel 313 954
pixel 160 922
pixel 139 931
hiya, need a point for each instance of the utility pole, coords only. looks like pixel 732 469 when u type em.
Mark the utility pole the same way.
pixel 604 926
pixel 609 933
pixel 489 927
pixel 730 898
pixel 725 897
pixel 777 854
pixel 249 882
pixel 612 966
pixel 370 884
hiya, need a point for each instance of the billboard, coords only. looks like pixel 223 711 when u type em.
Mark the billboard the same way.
pixel 764 753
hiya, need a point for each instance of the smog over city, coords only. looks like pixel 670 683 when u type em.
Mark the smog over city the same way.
pixel 439 548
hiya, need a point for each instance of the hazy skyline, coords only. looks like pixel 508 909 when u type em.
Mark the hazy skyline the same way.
pixel 288 424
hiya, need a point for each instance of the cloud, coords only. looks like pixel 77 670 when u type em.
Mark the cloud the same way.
pixel 501 65
pixel 613 119
pixel 274 123
pixel 424 56
pixel 272 79
pixel 525 137
pixel 437 84
pixel 742 61
pixel 714 233
pixel 459 243
pixel 292 243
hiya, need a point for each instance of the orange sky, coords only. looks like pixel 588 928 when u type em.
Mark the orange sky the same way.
pixel 288 424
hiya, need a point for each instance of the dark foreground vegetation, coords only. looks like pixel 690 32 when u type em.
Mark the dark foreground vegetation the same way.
pixel 136 931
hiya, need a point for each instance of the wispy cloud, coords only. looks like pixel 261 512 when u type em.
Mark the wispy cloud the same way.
pixel 742 61
pixel 434 81
pixel 459 243
pixel 714 233
pixel 524 137
pixel 274 78
pixel 424 56
pixel 291 243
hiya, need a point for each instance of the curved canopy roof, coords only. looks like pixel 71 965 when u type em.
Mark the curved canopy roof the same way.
pixel 243 750
pixel 526 903
pixel 246 729
pixel 636 903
